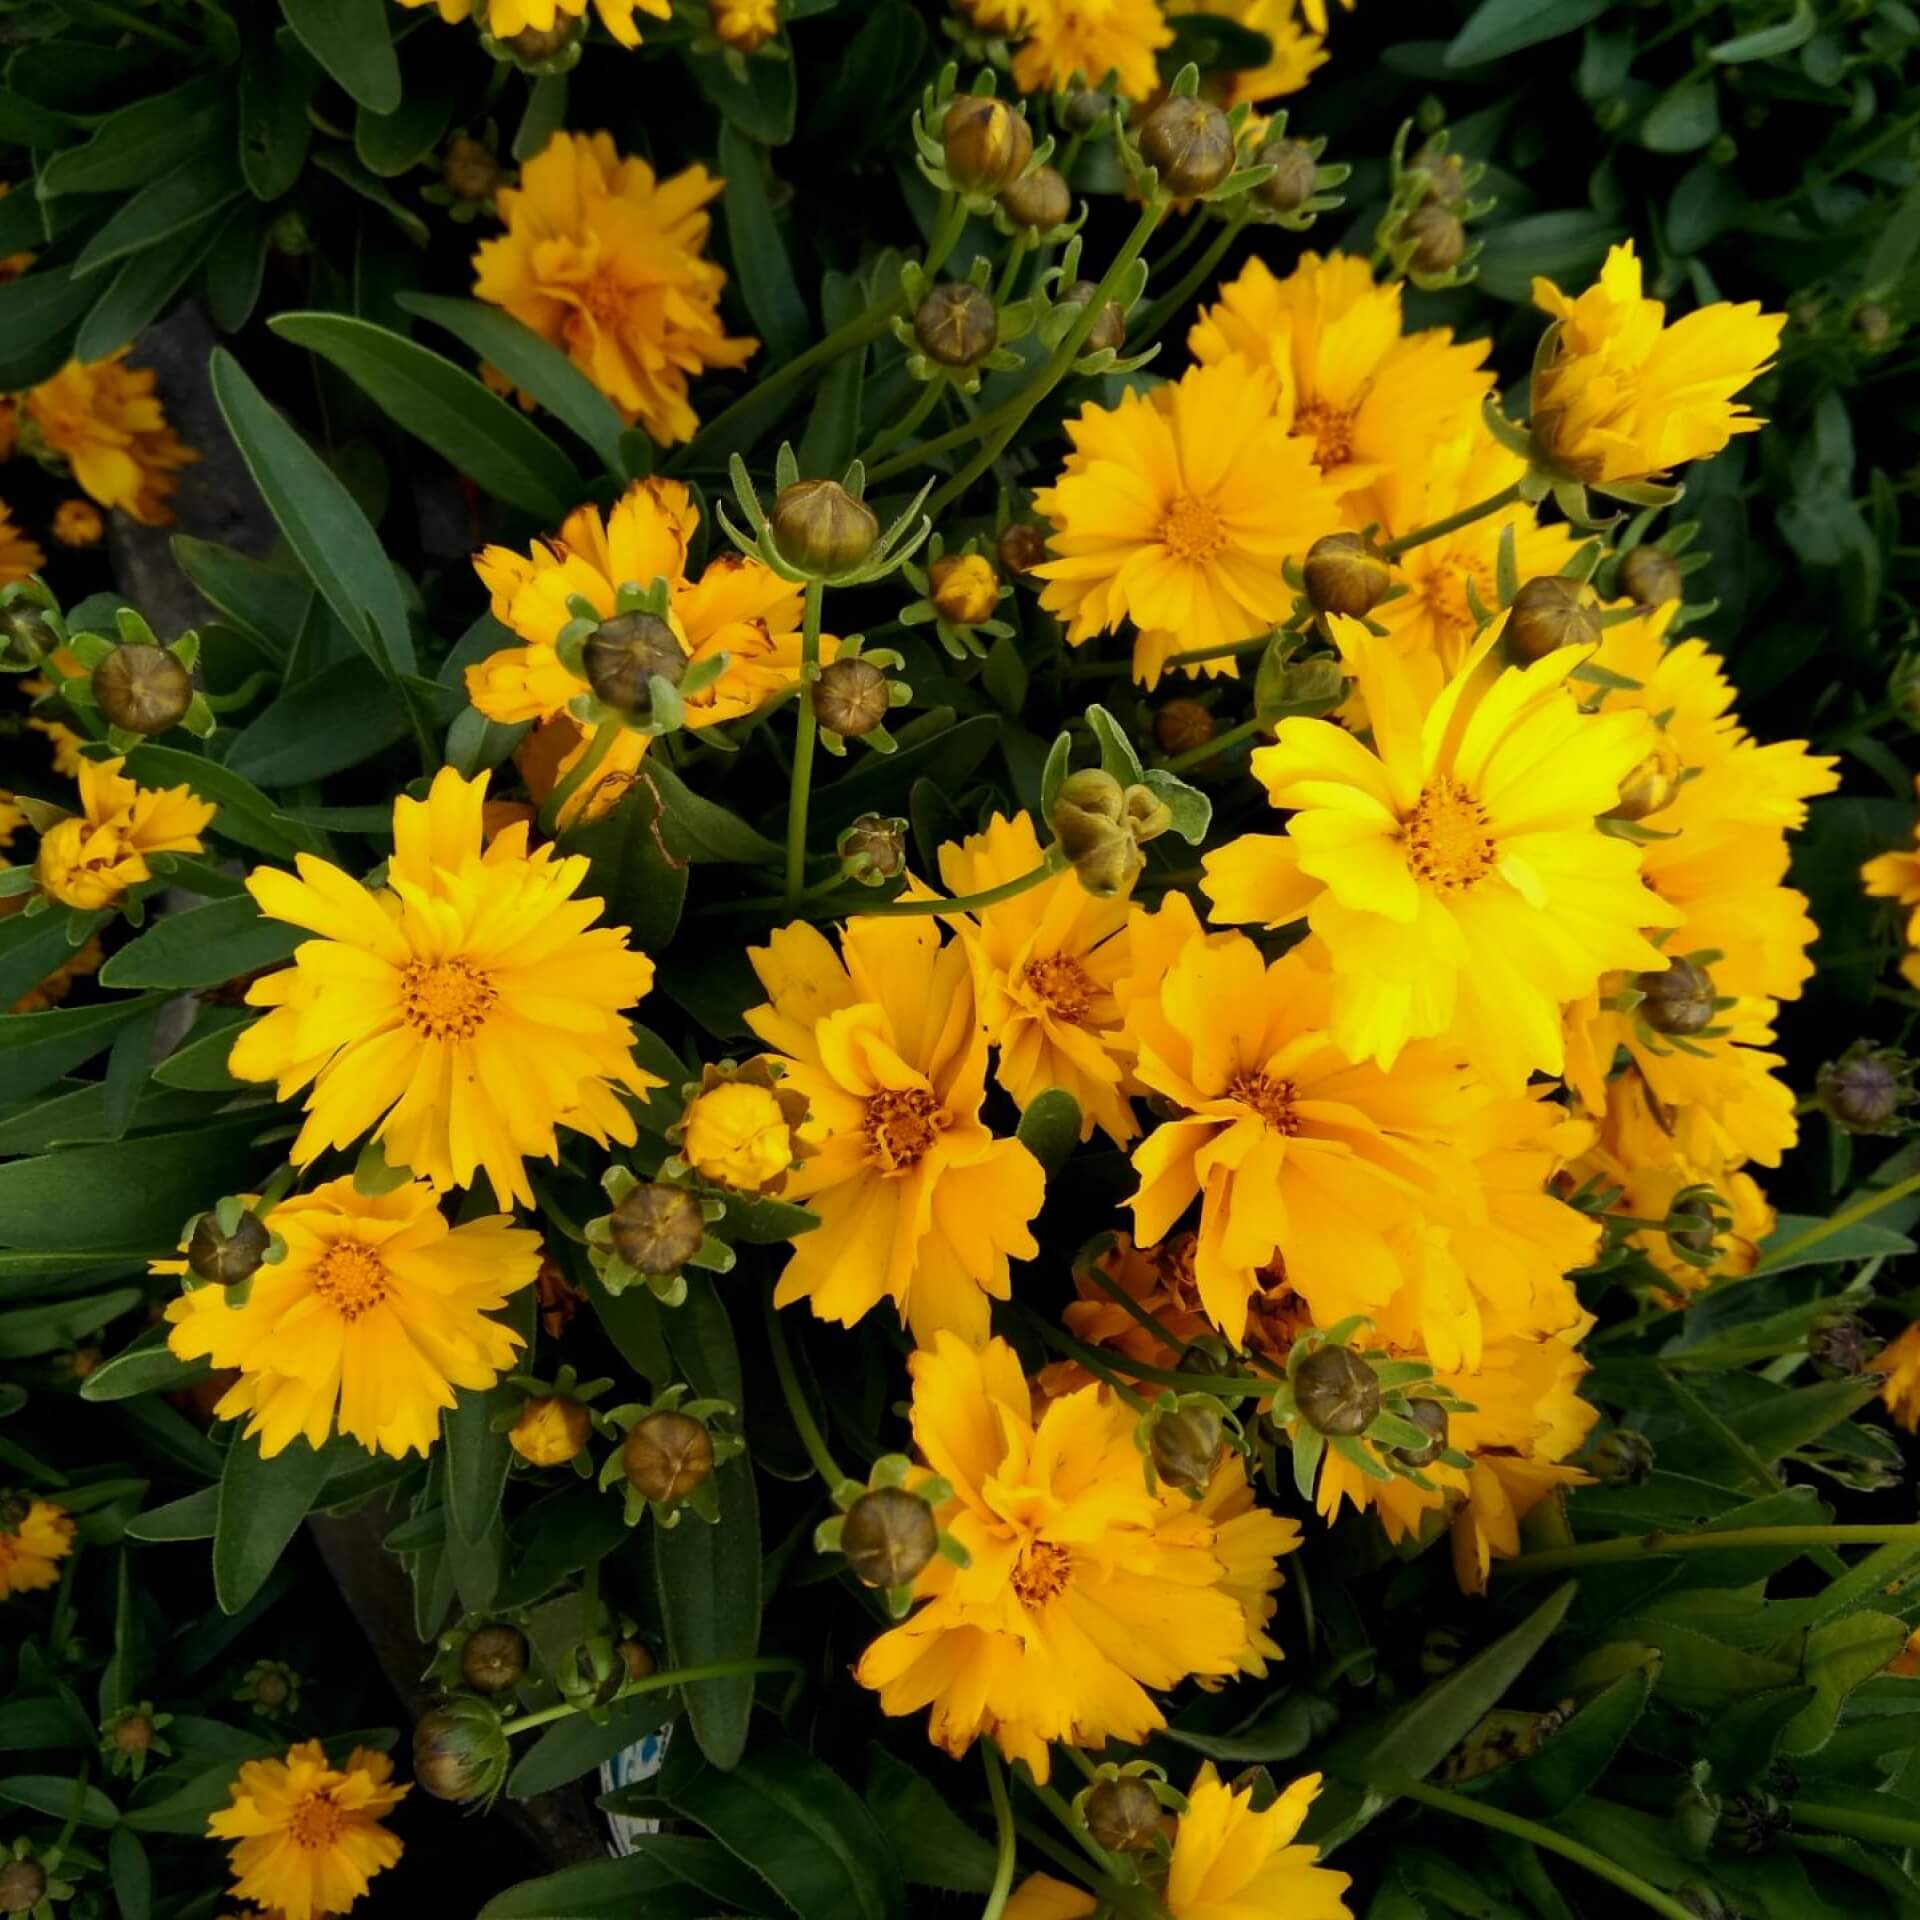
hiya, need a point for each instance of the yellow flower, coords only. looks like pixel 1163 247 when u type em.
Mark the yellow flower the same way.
pixel 605 260
pixel 1083 1590
pixel 744 25
pixel 1899 1360
pixel 77 523
pixel 1295 57
pixel 1178 513
pixel 1618 395
pixel 66 744
pixel 463 1012
pixel 307 1836
pixel 1289 1146
pixel 918 1202
pixel 35 1536
pixel 1365 398
pixel 965 588
pixel 92 858
pixel 1044 967
pixel 1454 869
pixel 377 1313
pixel 1896 876
pixel 506 18
pixel 1904 1664
pixel 19 556
pixel 1091 38
pixel 106 421
pixel 738 1135
pixel 550 1431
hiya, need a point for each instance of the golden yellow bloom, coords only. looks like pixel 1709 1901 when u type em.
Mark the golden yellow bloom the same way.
pixel 1899 1360
pixel 1904 1664
pixel 92 858
pixel 105 419
pixel 377 1313
pixel 744 25
pixel 308 1836
pixel 1296 54
pixel 1091 38
pixel 66 744
pixel 1084 1590
pixel 19 556
pixel 1619 395
pixel 77 523
pixel 35 1536
pixel 605 260
pixel 1896 876
pixel 1044 967
pixel 1365 398
pixel 1178 513
pixel 550 1431
pixel 918 1202
pixel 965 588
pixel 1454 869
pixel 462 1013
pixel 737 1135
pixel 505 18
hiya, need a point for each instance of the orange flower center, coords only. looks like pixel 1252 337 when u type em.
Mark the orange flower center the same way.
pixel 901 1124
pixel 1271 1099
pixel 1330 428
pixel 1191 528
pixel 1060 984
pixel 445 999
pixel 315 1821
pixel 1449 846
pixel 351 1279
pixel 1042 1570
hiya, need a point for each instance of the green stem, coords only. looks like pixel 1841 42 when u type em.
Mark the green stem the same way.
pixel 583 770
pixel 1177 297
pixel 1076 1828
pixel 807 732
pixel 132 23
pixel 1228 1385
pixel 1597 1864
pixel 804 1423
pixel 656 1683
pixel 1633 1546
pixel 1055 862
pixel 1452 523
pixel 1888 1828
pixel 1846 1217
pixel 1233 647
pixel 275 1190
pixel 1003 1828
pixel 1011 272
pixel 891 436
pixel 79 1807
pixel 1196 756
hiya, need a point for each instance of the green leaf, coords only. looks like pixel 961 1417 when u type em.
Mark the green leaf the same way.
pixel 1501 27
pixel 391 144
pixel 1564 246
pixel 140 142
pixel 484 437
pixel 602 1890
pixel 802 1829
pixel 203 947
pixel 1865 1240
pixel 27 1332
pixel 277 82
pixel 696 829
pixel 246 814
pixel 181 198
pixel 532 364
pixel 337 718
pixel 1794 1416
pixel 1839 1657
pixel 759 255
pixel 143 289
pixel 832 437
pixel 262 1503
pixel 935 1847
pixel 478 1458
pixel 265 601
pixel 60 1799
pixel 132 1875
pixel 50 1722
pixel 328 533
pixel 37 1048
pixel 632 1323
pixel 572 1747
pixel 946 754
pixel 1684 119
pixel 1571 1762
pixel 31 947
pixel 1284 1731
pixel 709 1582
pixel 1741 1739
pixel 1764 43
pixel 200 1065
pixel 193 1518
pixel 630 869
pixel 761 103
pixel 1050 1128
pixel 144 1365
pixel 353 40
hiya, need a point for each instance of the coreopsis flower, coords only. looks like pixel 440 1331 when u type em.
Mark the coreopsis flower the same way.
pixel 506 18
pixel 77 523
pixel 461 1013
pixel 308 1836
pixel 92 858
pixel 35 1536
pixel 1289 1146
pixel 1896 876
pixel 1619 395
pixel 744 25
pixel 1084 1592
pixel 1229 1862
pixel 1365 398
pixel 1296 54
pixel 919 1203
pixel 19 556
pixel 105 420
pixel 1454 868
pixel 377 1312
pixel 740 1129
pixel 61 738
pixel 1044 964
pixel 1063 38
pixel 1904 1665
pixel 606 260
pixel 1177 512
pixel 1899 1360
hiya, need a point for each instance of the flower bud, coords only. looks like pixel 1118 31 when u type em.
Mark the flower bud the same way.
pixel 1622 1457
pixel 738 1134
pixel 1344 575
pixel 637 1657
pixel 667 1456
pixel 1547 613
pixel 1147 815
pixel 1336 1391
pixel 1022 546
pixel 888 1537
pixel 623 656
pixel 1295 175
pixel 1189 143
pixel 1651 577
pixel 459 1752
pixel 469 172
pixel 494 1660
pixel 744 26
pixel 851 697
pixel 132 1733
pixel 956 324
pixel 965 588
pixel 1693 1820
pixel 1446 175
pixel 550 1431
pixel 1123 1815
pixel 1651 785
pixel 873 849
pixel 1751 1822
pixel 1084 108
pixel 984 142
pixel 1678 999
pixel 1186 1443
pixel 1182 726
pixel 142 689
pixel 1312 686
pixel 1838 1345
pixel 1109 329
pixel 657 1228
pixel 1431 1418
pixel 820 527
pixel 1872 325
pixel 536 46
pixel 1703 1901
pixel 1864 1090
pixel 1089 820
pixel 271 1689
pixel 225 1259
pixel 26 635
pixel 1439 238
pixel 1038 199
pixel 23 1885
